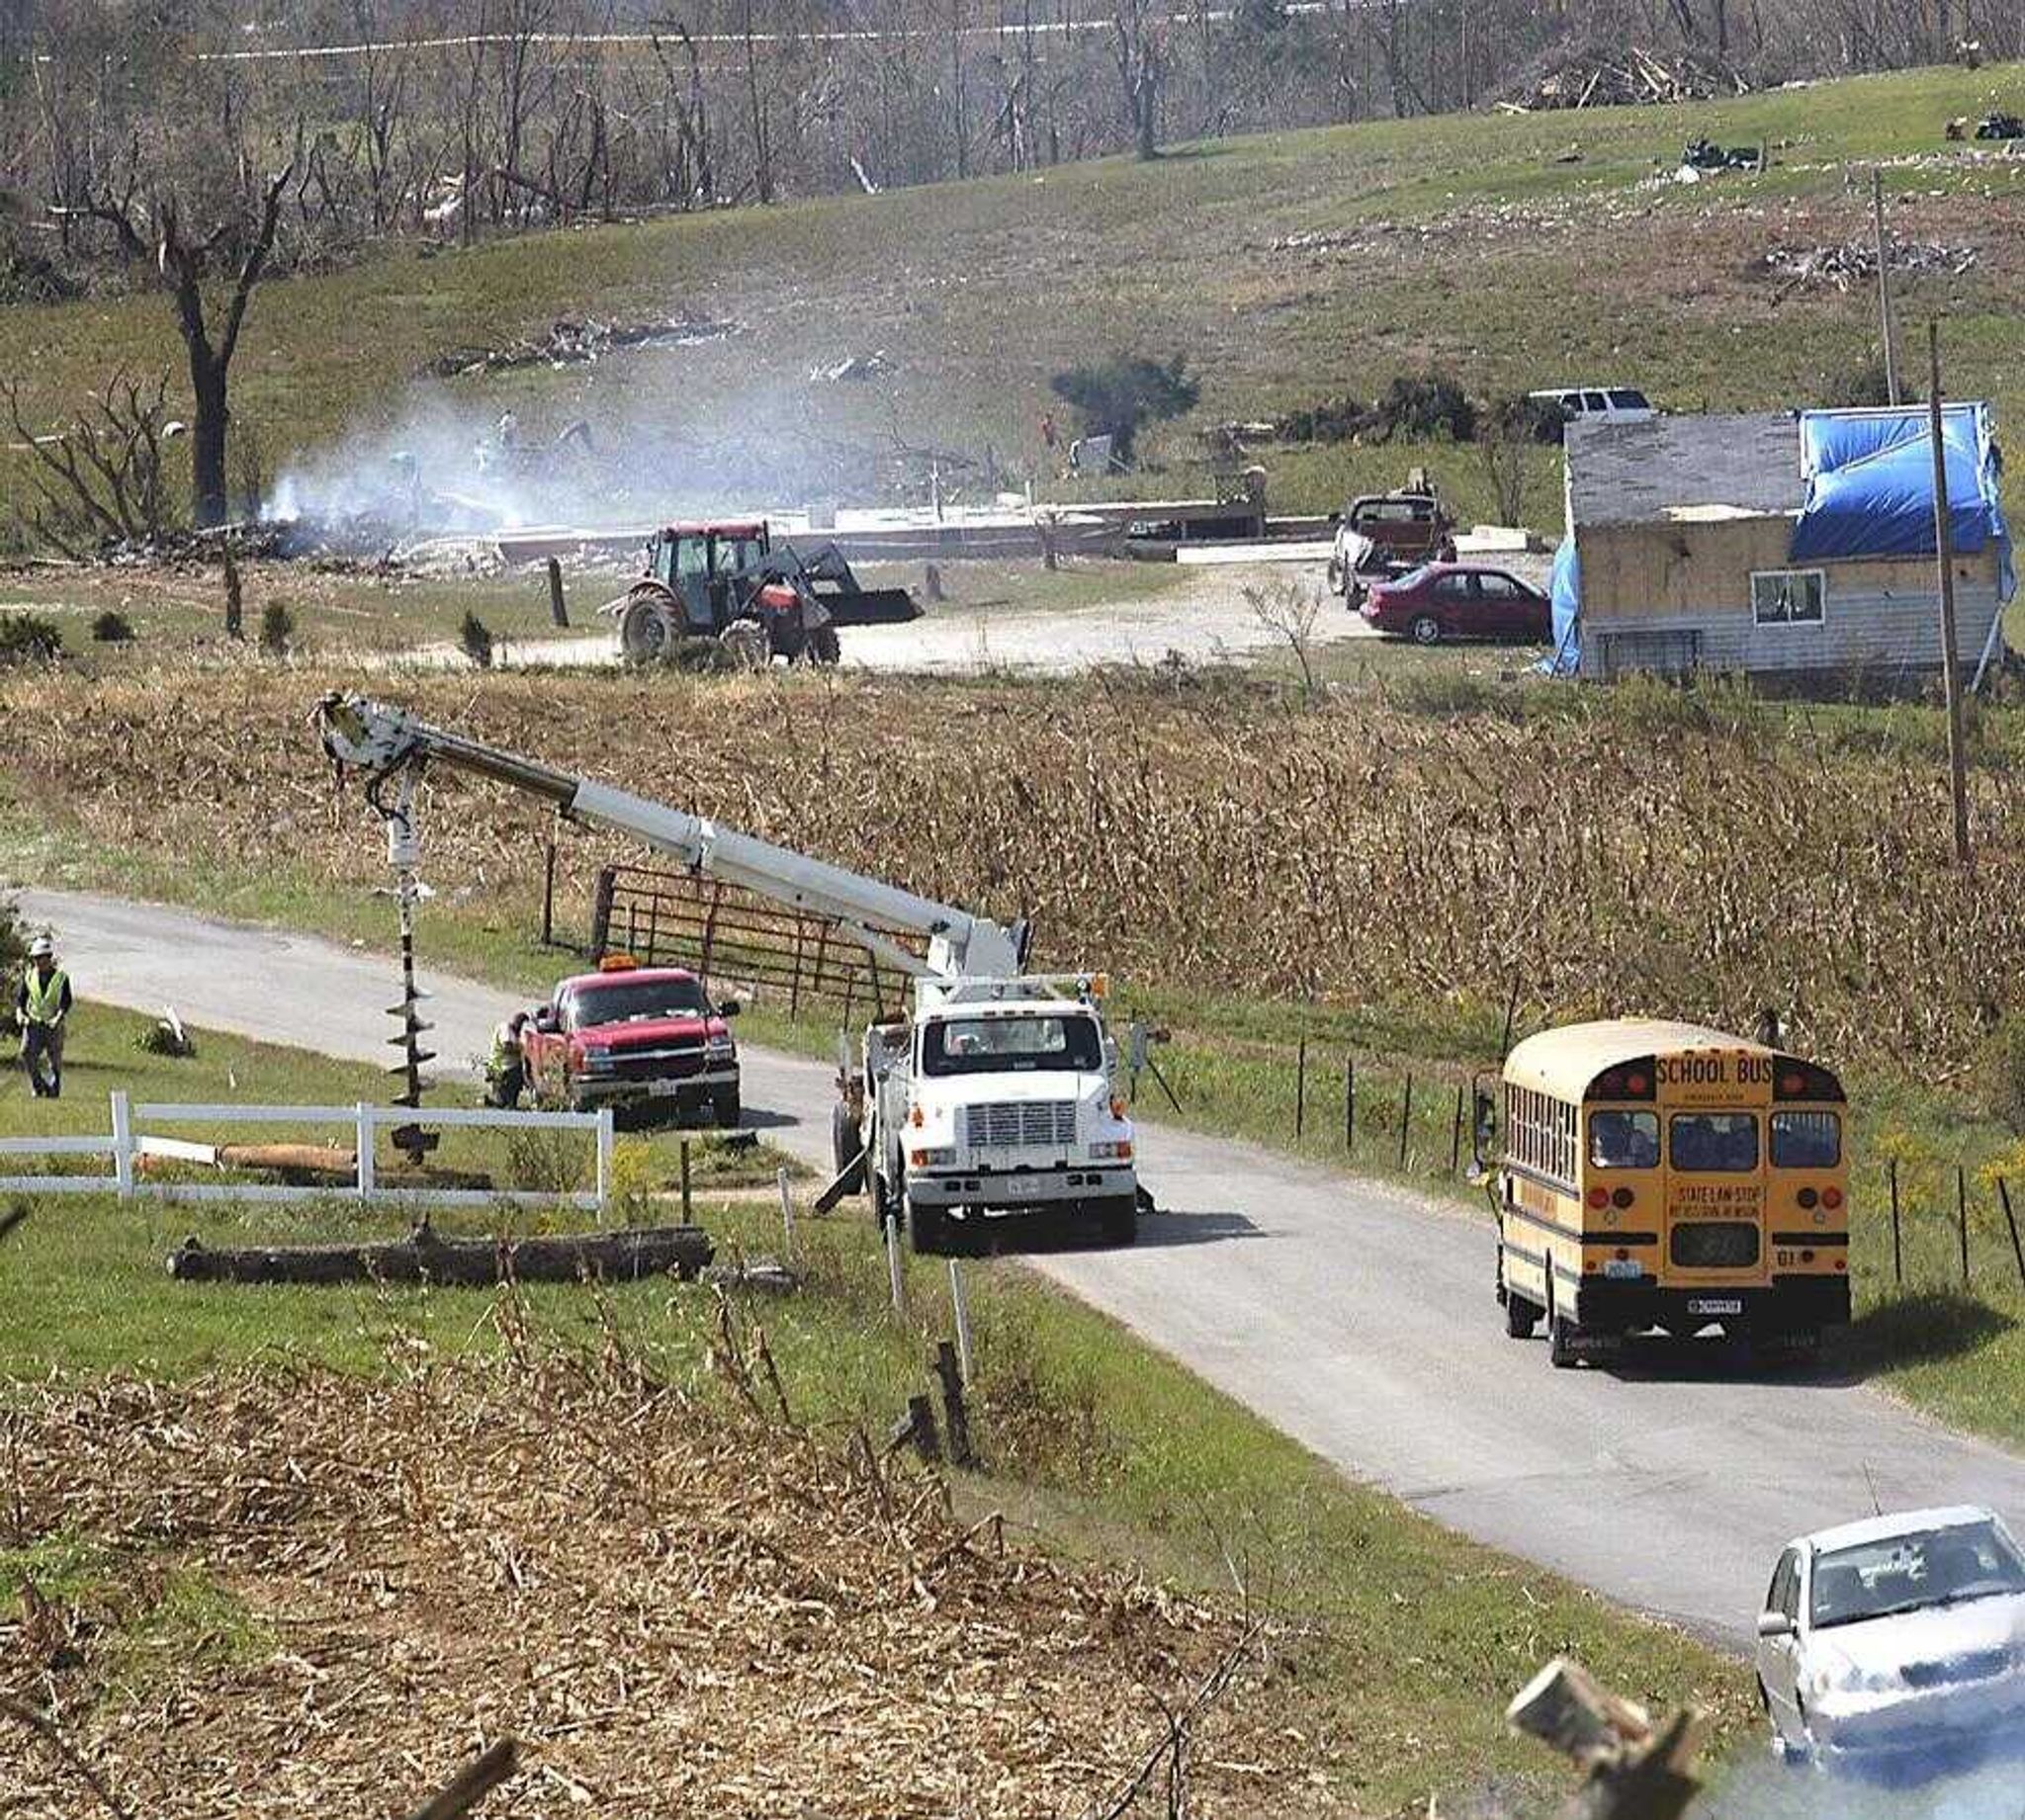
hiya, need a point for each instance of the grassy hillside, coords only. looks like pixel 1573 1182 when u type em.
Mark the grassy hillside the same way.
pixel 1518 251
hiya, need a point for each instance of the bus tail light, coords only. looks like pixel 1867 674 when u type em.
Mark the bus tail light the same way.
pixel 1807 1197
pixel 1599 1197
pixel 1620 1198
pixel 1832 1198
pixel 1623 1254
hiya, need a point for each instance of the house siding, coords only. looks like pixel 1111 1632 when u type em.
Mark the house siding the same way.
pixel 1875 634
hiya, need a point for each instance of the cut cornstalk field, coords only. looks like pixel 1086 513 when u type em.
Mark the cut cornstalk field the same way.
pixel 1639 850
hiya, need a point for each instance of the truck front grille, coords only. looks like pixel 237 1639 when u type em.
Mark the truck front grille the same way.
pixel 1020 1124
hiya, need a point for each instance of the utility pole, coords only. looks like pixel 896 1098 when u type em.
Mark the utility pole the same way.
pixel 1944 557
pixel 1884 288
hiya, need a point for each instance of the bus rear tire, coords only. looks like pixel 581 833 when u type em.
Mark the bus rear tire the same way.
pixel 1561 1334
pixel 1520 1316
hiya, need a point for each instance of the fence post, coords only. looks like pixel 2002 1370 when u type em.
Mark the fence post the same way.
pixel 2011 1219
pixel 604 1163
pixel 959 1302
pixel 122 1144
pixel 895 1279
pixel 1455 1136
pixel 956 1418
pixel 549 895
pixel 1962 1217
pixel 1405 1118
pixel 1898 1256
pixel 364 1139
pixel 787 1210
pixel 601 915
pixel 1349 1103
pixel 1300 1087
pixel 686 1220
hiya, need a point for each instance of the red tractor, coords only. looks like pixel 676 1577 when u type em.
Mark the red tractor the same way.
pixel 757 600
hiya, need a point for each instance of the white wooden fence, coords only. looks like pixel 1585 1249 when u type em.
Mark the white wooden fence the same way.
pixel 125 1146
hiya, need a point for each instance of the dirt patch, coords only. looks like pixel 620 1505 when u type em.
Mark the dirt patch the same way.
pixel 675 1610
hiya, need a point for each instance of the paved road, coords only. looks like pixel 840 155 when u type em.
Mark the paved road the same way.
pixel 1356 1317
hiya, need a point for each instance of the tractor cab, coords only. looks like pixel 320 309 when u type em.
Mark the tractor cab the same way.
pixel 707 568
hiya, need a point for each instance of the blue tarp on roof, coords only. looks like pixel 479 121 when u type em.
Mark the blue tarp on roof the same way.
pixel 1871 485
pixel 1564 589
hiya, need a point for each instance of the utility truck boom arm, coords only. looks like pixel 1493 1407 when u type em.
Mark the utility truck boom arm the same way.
pixel 390 744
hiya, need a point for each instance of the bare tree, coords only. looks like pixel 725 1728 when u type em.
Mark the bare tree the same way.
pixel 100 474
pixel 1288 612
pixel 183 264
pixel 1139 47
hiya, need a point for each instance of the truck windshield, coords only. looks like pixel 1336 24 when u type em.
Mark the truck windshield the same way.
pixel 995 1045
pixel 634 1001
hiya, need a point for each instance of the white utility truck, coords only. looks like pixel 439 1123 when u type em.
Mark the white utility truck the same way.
pixel 998 1096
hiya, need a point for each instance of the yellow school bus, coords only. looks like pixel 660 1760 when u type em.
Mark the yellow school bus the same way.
pixel 1656 1174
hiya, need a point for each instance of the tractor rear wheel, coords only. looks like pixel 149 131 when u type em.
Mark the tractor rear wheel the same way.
pixel 648 632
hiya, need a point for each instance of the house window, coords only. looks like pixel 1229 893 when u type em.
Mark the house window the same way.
pixel 1788 596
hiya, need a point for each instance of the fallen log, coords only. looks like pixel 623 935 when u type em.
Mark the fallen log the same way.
pixel 423 1258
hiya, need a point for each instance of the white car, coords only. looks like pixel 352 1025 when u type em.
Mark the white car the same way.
pixel 1599 403
pixel 1896 1637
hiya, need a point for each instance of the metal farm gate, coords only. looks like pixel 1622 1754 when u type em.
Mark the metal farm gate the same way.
pixel 731 936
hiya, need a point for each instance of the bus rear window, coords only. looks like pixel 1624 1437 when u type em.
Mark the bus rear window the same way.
pixel 1713 1143
pixel 1805 1139
pixel 1623 1140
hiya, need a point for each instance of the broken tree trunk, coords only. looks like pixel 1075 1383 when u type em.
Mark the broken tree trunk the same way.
pixel 1635 1772
pixel 423 1258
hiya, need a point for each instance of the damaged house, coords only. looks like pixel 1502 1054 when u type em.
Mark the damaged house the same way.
pixel 1777 544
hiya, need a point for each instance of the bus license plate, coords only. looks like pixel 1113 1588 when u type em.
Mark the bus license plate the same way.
pixel 1622 1267
pixel 1715 1305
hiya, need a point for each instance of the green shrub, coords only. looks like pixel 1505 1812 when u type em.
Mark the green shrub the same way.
pixel 477 640
pixel 28 638
pixel 2004 1067
pixel 112 627
pixel 1119 397
pixel 277 629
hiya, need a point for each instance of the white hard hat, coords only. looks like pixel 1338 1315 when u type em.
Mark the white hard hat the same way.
pixel 40 949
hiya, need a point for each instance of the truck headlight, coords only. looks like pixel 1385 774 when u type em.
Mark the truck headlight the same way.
pixel 940 1157
pixel 598 1059
pixel 719 1048
pixel 1119 1149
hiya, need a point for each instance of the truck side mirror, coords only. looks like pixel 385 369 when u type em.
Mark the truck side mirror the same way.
pixel 1483 1136
pixel 729 1009
pixel 547 1022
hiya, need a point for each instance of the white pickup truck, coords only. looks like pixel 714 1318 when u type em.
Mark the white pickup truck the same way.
pixel 997 1100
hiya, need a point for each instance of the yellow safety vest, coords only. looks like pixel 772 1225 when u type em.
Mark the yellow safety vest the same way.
pixel 44 996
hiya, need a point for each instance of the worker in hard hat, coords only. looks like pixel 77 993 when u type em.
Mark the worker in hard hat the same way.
pixel 507 1066
pixel 42 1007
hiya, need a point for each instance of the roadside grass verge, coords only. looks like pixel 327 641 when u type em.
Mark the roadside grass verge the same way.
pixel 1400 1642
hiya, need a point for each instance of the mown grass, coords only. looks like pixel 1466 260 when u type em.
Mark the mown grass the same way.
pixel 1404 1640
pixel 1540 272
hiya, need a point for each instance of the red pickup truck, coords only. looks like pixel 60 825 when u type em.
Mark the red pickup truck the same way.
pixel 634 1037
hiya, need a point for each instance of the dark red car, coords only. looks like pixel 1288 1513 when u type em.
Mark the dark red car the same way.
pixel 1459 600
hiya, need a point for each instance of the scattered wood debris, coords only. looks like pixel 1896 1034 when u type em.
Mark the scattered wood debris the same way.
pixel 1593 76
pixel 676 1605
pixel 570 343
pixel 1855 262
